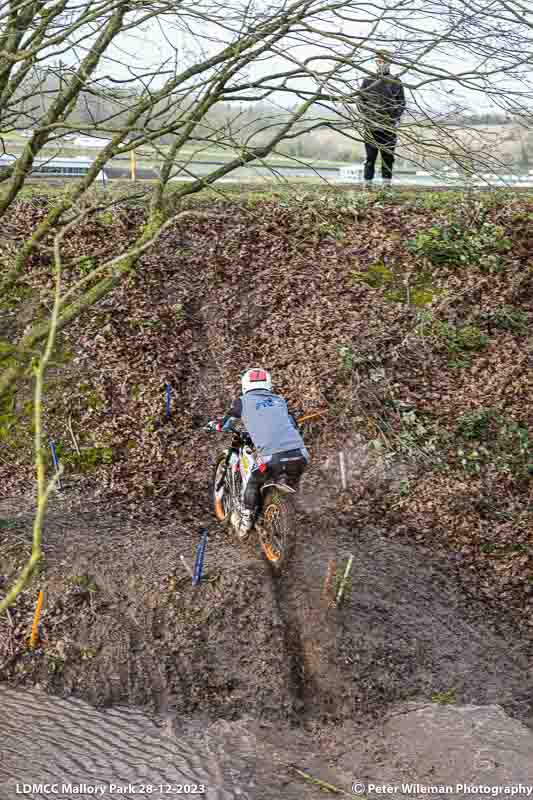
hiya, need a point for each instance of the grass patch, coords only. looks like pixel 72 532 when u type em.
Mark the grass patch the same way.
pixel 458 341
pixel 419 437
pixel 445 698
pixel 7 524
pixel 56 665
pixel 16 294
pixel 475 424
pixel 466 338
pixel 452 244
pixel 86 583
pixel 486 437
pixel 508 318
pixel 89 458
pixel 377 276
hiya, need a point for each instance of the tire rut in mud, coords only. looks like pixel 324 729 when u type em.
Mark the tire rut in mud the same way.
pixel 309 621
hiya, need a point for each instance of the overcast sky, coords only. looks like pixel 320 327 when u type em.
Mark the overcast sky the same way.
pixel 161 42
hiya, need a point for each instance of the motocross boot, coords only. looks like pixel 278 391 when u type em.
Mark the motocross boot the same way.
pixel 247 523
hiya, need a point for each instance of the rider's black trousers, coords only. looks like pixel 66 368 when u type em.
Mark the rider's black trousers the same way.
pixel 288 466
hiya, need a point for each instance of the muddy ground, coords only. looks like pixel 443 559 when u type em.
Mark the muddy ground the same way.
pixel 123 624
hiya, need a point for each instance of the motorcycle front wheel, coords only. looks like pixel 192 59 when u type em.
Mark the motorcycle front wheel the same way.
pixel 221 498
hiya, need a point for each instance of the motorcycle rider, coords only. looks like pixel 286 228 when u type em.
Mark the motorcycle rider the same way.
pixel 274 433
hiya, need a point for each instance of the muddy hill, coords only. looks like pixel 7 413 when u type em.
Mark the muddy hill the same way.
pixel 407 320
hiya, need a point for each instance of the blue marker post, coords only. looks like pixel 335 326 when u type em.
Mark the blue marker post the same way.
pixel 56 462
pixel 104 178
pixel 167 400
pixel 199 563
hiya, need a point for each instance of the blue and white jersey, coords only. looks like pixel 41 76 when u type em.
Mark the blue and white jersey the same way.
pixel 266 417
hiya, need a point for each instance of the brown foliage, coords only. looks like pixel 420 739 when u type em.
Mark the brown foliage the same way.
pixel 274 284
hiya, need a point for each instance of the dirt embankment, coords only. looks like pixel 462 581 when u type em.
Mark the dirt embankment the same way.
pixel 419 345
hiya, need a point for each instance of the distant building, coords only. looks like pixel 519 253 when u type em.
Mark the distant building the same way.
pixel 61 167
pixel 91 141
pixel 351 172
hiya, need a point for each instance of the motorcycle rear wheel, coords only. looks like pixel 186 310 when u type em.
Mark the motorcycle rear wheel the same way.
pixel 276 534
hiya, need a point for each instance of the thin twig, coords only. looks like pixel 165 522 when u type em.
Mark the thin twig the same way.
pixel 317 782
pixel 344 579
pixel 75 441
pixel 187 566
pixel 329 577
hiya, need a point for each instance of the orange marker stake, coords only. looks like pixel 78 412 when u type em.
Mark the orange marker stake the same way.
pixel 332 568
pixel 34 627
pixel 312 415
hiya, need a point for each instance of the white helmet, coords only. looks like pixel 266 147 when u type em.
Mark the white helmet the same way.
pixel 256 378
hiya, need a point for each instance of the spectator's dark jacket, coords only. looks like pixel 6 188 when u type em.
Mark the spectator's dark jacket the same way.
pixel 381 101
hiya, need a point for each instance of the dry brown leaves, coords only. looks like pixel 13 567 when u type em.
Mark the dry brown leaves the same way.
pixel 273 285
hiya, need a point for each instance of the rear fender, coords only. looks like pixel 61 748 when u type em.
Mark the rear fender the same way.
pixel 281 486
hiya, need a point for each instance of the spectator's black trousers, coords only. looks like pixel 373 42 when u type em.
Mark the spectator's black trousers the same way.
pixel 379 141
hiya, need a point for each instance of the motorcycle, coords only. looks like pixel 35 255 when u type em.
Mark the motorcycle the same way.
pixel 274 518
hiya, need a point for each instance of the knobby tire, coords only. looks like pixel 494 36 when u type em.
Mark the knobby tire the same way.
pixel 222 511
pixel 277 533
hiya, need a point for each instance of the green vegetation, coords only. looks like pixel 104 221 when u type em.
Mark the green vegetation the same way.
pixel 487 437
pixel 105 218
pixel 348 584
pixel 421 295
pixel 86 583
pixel 509 319
pixel 445 698
pixel 475 424
pixel 453 244
pixel 8 415
pixel 86 265
pixel 5 524
pixel 89 458
pixel 420 292
pixel 348 358
pixel 88 652
pixel 55 664
pixel 404 488
pixel 11 300
pixel 459 339
pixel 419 437
pixel 376 276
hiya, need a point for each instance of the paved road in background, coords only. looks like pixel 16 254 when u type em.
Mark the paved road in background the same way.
pixel 200 169
pixel 330 174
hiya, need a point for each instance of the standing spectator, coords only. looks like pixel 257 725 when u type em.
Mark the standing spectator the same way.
pixel 381 104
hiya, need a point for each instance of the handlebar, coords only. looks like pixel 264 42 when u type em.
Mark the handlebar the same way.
pixel 242 434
